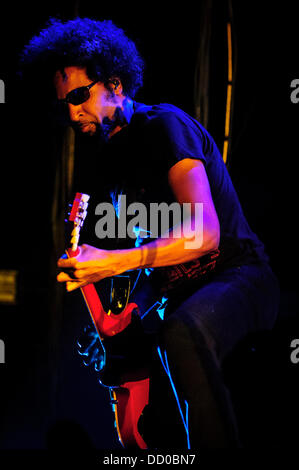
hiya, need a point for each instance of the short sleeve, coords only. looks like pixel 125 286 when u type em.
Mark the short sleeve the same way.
pixel 175 136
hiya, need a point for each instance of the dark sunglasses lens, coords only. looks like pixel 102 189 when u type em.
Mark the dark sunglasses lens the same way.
pixel 78 96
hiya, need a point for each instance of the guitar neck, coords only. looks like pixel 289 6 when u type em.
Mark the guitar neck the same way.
pixel 106 323
pixel 90 295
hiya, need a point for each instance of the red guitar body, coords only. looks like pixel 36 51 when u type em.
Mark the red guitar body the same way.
pixel 130 398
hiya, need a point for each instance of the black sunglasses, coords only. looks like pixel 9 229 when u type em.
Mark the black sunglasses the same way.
pixel 78 95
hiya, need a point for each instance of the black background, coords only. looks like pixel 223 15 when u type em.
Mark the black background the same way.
pixel 47 396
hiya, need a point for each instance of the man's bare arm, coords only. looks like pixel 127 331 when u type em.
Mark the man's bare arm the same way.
pixel 189 183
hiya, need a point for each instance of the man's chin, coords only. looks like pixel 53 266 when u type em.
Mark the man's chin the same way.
pixel 89 128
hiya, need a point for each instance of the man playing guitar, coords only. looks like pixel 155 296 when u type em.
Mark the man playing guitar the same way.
pixel 218 290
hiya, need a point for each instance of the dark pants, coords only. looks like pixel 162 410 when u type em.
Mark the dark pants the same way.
pixel 195 336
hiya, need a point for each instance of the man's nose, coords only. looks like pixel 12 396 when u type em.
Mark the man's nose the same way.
pixel 75 111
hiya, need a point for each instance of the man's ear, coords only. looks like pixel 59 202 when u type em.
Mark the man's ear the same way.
pixel 114 84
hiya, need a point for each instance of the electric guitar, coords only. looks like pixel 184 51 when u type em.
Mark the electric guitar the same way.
pixel 128 399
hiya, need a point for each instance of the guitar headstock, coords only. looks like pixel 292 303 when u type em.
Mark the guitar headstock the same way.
pixel 77 216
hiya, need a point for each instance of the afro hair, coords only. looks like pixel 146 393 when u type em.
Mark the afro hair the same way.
pixel 99 46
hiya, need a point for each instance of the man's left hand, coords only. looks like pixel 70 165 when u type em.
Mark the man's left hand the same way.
pixel 91 265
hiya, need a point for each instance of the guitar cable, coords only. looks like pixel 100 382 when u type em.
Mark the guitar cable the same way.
pixel 185 419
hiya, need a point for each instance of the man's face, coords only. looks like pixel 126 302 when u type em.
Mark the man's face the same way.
pixel 101 104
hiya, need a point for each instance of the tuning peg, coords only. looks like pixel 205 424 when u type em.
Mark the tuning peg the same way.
pixel 75 231
pixel 83 206
pixel 85 197
pixel 78 221
pixel 74 240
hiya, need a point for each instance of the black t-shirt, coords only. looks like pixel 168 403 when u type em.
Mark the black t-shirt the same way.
pixel 135 162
